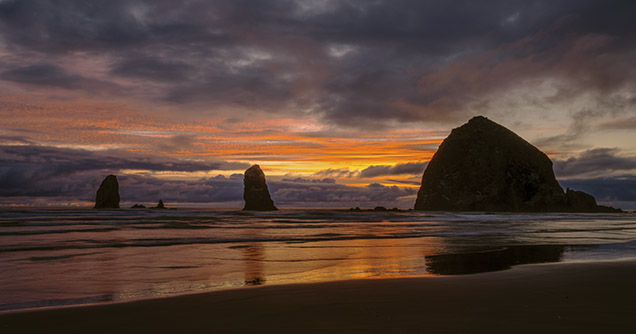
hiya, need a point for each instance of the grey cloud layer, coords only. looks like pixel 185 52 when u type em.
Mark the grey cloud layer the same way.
pixel 411 168
pixel 618 191
pixel 596 161
pixel 353 63
pixel 48 171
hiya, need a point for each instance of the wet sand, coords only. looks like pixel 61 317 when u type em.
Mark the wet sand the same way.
pixel 583 297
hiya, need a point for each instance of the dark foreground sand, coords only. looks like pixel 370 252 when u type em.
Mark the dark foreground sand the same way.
pixel 592 297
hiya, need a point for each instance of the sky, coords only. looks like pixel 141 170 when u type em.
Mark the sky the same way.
pixel 341 103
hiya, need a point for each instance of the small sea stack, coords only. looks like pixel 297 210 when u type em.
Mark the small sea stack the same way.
pixel 108 194
pixel 160 205
pixel 483 166
pixel 255 194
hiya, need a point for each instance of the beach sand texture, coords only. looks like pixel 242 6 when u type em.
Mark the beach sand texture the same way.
pixel 578 297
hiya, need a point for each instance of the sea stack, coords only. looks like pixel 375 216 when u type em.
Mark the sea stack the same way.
pixel 255 194
pixel 160 205
pixel 108 194
pixel 482 166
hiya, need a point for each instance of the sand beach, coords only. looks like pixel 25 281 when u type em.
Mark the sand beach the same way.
pixel 582 297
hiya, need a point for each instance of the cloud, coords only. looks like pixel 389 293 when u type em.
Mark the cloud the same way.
pixel 72 174
pixel 49 171
pixel 50 75
pixel 64 160
pixel 320 194
pixel 153 69
pixel 352 63
pixel 9 140
pixel 620 124
pixel 598 161
pixel 177 143
pixel 413 183
pixel 618 191
pixel 337 173
pixel 303 180
pixel 412 168
pixel 215 190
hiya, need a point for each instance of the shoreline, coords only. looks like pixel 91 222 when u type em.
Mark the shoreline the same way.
pixel 577 295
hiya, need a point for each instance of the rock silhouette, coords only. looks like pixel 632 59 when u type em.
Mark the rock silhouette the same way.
pixel 108 194
pixel 482 166
pixel 160 205
pixel 138 206
pixel 255 193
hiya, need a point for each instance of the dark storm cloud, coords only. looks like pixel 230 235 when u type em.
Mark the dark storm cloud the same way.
pixel 599 161
pixel 412 168
pixel 355 63
pixel 149 68
pixel 50 75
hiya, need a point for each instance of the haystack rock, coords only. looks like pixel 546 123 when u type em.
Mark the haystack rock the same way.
pixel 108 194
pixel 256 195
pixel 482 166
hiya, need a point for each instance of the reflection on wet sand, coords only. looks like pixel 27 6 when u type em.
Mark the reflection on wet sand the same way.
pixel 493 260
pixel 253 257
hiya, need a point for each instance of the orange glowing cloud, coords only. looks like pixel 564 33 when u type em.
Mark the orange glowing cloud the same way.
pixel 283 146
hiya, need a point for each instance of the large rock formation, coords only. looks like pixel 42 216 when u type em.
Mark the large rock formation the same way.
pixel 482 166
pixel 108 194
pixel 256 195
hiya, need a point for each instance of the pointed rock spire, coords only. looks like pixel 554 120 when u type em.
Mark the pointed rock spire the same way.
pixel 160 205
pixel 108 194
pixel 255 194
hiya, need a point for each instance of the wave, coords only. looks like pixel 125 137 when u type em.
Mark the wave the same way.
pixel 57 302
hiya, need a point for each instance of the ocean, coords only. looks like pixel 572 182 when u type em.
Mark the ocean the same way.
pixel 61 257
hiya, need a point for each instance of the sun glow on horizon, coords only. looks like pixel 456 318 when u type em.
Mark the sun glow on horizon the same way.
pixel 282 146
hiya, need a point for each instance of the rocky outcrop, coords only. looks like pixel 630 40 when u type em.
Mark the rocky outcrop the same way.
pixel 160 205
pixel 578 201
pixel 482 166
pixel 108 194
pixel 138 206
pixel 255 194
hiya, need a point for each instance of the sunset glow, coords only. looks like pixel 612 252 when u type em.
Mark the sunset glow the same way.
pixel 366 103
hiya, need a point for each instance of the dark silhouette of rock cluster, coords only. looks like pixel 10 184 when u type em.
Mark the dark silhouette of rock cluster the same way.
pixel 160 205
pixel 255 193
pixel 482 166
pixel 108 194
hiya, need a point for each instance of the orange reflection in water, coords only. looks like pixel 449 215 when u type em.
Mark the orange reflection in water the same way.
pixel 253 257
pixel 340 260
